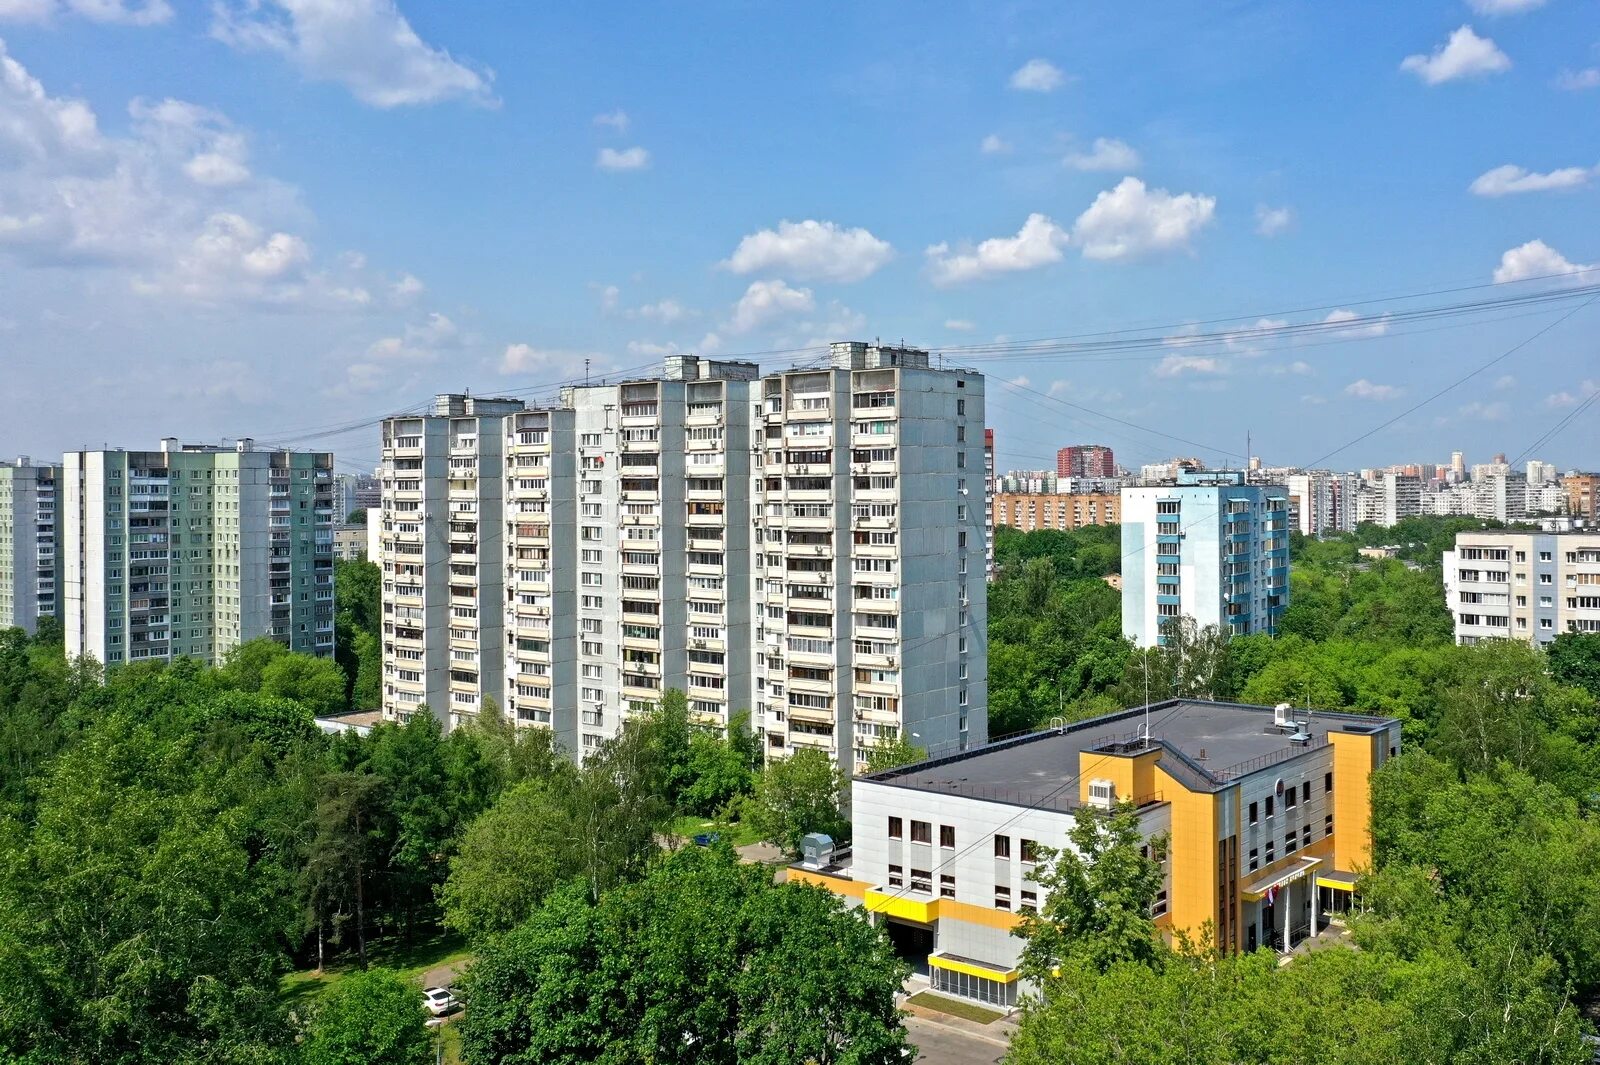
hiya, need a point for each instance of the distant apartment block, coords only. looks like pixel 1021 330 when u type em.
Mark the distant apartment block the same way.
pixel 29 585
pixel 356 491
pixel 350 542
pixel 1086 460
pixel 1523 586
pixel 190 550
pixel 1209 547
pixel 1028 511
pixel 797 546
pixel 1583 495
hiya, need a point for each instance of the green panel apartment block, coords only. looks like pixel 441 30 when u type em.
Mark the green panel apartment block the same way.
pixel 191 550
pixel 29 589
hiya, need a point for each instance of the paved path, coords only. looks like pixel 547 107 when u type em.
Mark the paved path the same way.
pixel 941 1044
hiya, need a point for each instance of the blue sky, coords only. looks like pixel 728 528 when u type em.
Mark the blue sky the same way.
pixel 261 217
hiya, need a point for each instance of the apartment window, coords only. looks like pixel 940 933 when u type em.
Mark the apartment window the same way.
pixel 961 406
pixel 1289 843
pixel 896 876
pixel 1269 805
pixel 921 880
pixel 947 886
pixel 1254 811
pixel 1289 795
pixel 896 828
pixel 947 836
pixel 1255 859
pixel 1030 901
pixel 1002 846
pixel 1305 836
pixel 1327 782
pixel 921 832
pixel 1030 850
pixel 1002 897
pixel 1271 854
pixel 1305 791
pixel 1327 826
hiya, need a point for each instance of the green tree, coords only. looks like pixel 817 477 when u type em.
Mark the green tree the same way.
pixel 1575 660
pixel 704 960
pixel 244 666
pixel 797 795
pixel 369 1018
pixel 317 683
pixel 1098 894
pixel 892 753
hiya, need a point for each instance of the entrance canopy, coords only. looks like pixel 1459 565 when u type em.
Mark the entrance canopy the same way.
pixel 1256 889
pixel 1335 880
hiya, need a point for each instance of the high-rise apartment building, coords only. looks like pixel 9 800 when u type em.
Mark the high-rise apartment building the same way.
pixel 442 556
pixel 356 491
pixel 1522 586
pixel 988 504
pixel 1086 460
pixel 191 550
pixel 1583 495
pixel 871 527
pixel 29 588
pixel 1209 547
pixel 753 542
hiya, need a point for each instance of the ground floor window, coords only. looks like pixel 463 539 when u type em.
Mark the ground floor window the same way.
pixel 962 985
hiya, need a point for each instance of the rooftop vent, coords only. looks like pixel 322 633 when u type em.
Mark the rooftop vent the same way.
pixel 1283 714
pixel 816 850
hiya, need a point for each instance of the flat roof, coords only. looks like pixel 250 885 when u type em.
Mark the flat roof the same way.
pixel 1207 745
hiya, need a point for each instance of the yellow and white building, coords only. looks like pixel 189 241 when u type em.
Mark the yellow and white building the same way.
pixel 1266 810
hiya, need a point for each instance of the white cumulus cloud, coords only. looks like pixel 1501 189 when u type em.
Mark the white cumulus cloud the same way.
pixel 1365 327
pixel 122 12
pixel 1270 221
pixel 1565 398
pixel 1131 220
pixel 1178 365
pixel 1107 153
pixel 1364 389
pixel 559 365
pixel 1508 180
pixel 959 325
pixel 623 159
pixel 617 120
pixel 1503 7
pixel 365 45
pixel 1039 242
pixel 994 144
pixel 1536 259
pixel 767 301
pixel 1464 55
pixel 811 251
pixel 1037 75
pixel 1578 80
pixel 665 311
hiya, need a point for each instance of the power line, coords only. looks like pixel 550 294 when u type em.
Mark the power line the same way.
pixel 1556 429
pixel 1457 383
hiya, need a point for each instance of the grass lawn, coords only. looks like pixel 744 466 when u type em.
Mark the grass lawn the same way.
pixel 411 959
pixel 955 1007
pixel 692 825
pixel 450 1036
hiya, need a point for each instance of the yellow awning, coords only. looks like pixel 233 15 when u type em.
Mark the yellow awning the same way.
pixel 972 968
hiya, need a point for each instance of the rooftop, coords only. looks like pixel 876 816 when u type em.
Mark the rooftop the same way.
pixel 1207 745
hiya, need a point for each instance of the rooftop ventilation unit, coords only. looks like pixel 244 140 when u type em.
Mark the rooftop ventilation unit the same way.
pixel 816 850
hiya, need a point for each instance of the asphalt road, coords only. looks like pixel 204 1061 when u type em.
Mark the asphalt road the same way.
pixel 942 1045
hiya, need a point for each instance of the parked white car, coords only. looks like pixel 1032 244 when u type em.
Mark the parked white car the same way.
pixel 439 1000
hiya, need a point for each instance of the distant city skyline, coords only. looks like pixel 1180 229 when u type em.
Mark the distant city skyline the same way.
pixel 262 218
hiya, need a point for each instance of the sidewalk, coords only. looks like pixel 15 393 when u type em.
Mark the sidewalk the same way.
pixel 998 1032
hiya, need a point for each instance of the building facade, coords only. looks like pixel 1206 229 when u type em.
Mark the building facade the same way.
pixel 1086 460
pixel 1037 510
pixel 29 585
pixel 442 557
pixel 1583 495
pixel 1209 547
pixel 1266 811
pixel 350 542
pixel 356 491
pixel 191 550
pixel 1523 586
pixel 873 613
pixel 798 547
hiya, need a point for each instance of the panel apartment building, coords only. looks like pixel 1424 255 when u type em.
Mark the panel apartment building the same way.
pixel 707 530
pixel 190 550
pixel 1522 585
pixel 29 589
pixel 1210 547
